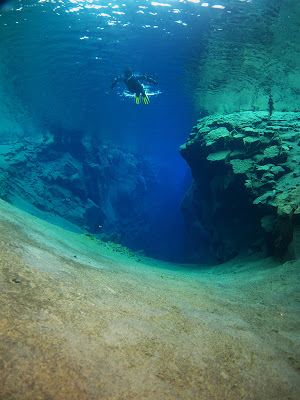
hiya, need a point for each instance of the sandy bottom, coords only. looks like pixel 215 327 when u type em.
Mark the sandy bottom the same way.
pixel 82 320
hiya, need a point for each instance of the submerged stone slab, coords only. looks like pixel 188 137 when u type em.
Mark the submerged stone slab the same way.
pixel 271 153
pixel 241 166
pixel 216 136
pixel 219 156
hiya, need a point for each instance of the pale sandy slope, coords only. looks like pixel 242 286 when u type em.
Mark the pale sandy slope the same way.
pixel 87 322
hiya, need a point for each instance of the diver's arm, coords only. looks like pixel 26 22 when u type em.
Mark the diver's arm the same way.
pixel 117 80
pixel 152 81
pixel 148 79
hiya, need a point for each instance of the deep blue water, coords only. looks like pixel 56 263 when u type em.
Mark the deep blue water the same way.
pixel 58 59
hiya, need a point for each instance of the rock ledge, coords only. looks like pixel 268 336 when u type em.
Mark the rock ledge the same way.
pixel 246 189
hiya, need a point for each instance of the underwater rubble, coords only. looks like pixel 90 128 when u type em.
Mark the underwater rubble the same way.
pixel 246 188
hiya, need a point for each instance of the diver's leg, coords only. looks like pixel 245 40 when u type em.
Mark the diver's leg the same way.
pixel 145 98
pixel 137 98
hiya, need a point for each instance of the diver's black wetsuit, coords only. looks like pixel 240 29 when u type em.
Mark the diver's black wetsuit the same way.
pixel 133 83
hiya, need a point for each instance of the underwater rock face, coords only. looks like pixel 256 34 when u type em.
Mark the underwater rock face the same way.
pixel 246 189
pixel 98 188
pixel 249 59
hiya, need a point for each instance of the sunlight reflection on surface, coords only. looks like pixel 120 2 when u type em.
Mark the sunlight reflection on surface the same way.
pixel 128 10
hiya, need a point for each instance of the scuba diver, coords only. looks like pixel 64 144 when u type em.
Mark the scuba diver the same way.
pixel 134 85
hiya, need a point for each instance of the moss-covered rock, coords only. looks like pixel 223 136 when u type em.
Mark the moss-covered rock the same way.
pixel 241 166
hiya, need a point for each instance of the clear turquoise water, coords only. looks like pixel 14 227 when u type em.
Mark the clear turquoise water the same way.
pixel 62 56
pixel 58 59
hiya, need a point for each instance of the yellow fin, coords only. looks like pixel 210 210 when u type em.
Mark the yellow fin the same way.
pixel 146 99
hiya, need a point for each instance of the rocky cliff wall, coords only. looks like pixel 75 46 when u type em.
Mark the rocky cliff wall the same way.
pixel 98 188
pixel 246 189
